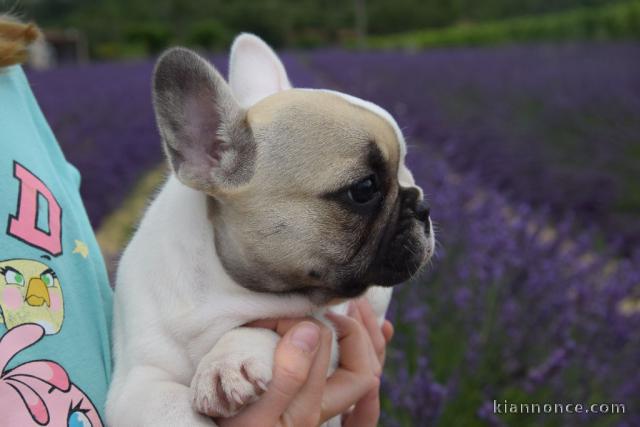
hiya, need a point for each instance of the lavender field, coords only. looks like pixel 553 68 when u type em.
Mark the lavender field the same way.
pixel 530 157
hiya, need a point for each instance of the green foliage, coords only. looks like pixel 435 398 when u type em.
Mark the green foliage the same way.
pixel 209 34
pixel 115 50
pixel 612 22
pixel 130 27
pixel 154 37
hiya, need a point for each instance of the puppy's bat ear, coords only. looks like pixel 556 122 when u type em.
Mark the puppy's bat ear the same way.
pixel 255 71
pixel 204 130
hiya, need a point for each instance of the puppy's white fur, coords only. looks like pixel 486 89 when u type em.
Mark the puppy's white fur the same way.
pixel 171 347
pixel 255 71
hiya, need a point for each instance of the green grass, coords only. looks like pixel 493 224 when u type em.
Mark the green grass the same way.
pixel 620 21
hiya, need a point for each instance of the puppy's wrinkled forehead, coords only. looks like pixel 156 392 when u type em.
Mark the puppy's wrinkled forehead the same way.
pixel 301 125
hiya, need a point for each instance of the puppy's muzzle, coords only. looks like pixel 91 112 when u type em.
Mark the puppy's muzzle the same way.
pixel 423 210
pixel 413 207
pixel 405 245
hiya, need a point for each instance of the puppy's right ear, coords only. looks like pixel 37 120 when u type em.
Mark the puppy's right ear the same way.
pixel 204 130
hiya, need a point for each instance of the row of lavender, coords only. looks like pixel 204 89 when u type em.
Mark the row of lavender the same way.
pixel 550 126
pixel 517 306
pixel 515 309
pixel 523 304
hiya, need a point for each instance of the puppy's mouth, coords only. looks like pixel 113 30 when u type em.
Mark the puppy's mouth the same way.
pixel 407 244
pixel 399 257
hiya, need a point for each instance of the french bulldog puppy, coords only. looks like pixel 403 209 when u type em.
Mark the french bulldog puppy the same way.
pixel 281 201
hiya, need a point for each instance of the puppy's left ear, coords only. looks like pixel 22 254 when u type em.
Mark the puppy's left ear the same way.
pixel 255 71
pixel 204 130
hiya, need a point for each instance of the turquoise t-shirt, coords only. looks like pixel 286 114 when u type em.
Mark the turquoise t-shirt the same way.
pixel 55 299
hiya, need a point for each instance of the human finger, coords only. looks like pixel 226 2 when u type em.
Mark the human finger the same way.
pixel 305 409
pixel 370 322
pixel 375 364
pixel 367 411
pixel 354 376
pixel 387 331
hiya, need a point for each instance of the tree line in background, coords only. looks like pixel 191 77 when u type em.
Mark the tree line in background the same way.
pixel 117 28
pixel 617 21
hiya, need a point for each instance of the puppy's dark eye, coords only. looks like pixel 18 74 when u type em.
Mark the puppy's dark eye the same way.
pixel 364 191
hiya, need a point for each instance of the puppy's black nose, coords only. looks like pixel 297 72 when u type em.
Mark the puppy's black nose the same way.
pixel 422 211
pixel 409 196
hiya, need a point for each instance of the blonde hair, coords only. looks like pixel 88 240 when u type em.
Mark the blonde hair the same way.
pixel 15 37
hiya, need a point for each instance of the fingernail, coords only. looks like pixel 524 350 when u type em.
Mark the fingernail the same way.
pixel 306 336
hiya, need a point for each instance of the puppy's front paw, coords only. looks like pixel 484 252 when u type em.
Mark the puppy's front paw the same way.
pixel 223 387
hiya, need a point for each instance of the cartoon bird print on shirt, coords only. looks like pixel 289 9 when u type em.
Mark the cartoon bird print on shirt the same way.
pixel 30 292
pixel 39 392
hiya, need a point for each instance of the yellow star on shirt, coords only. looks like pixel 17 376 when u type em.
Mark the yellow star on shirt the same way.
pixel 81 248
